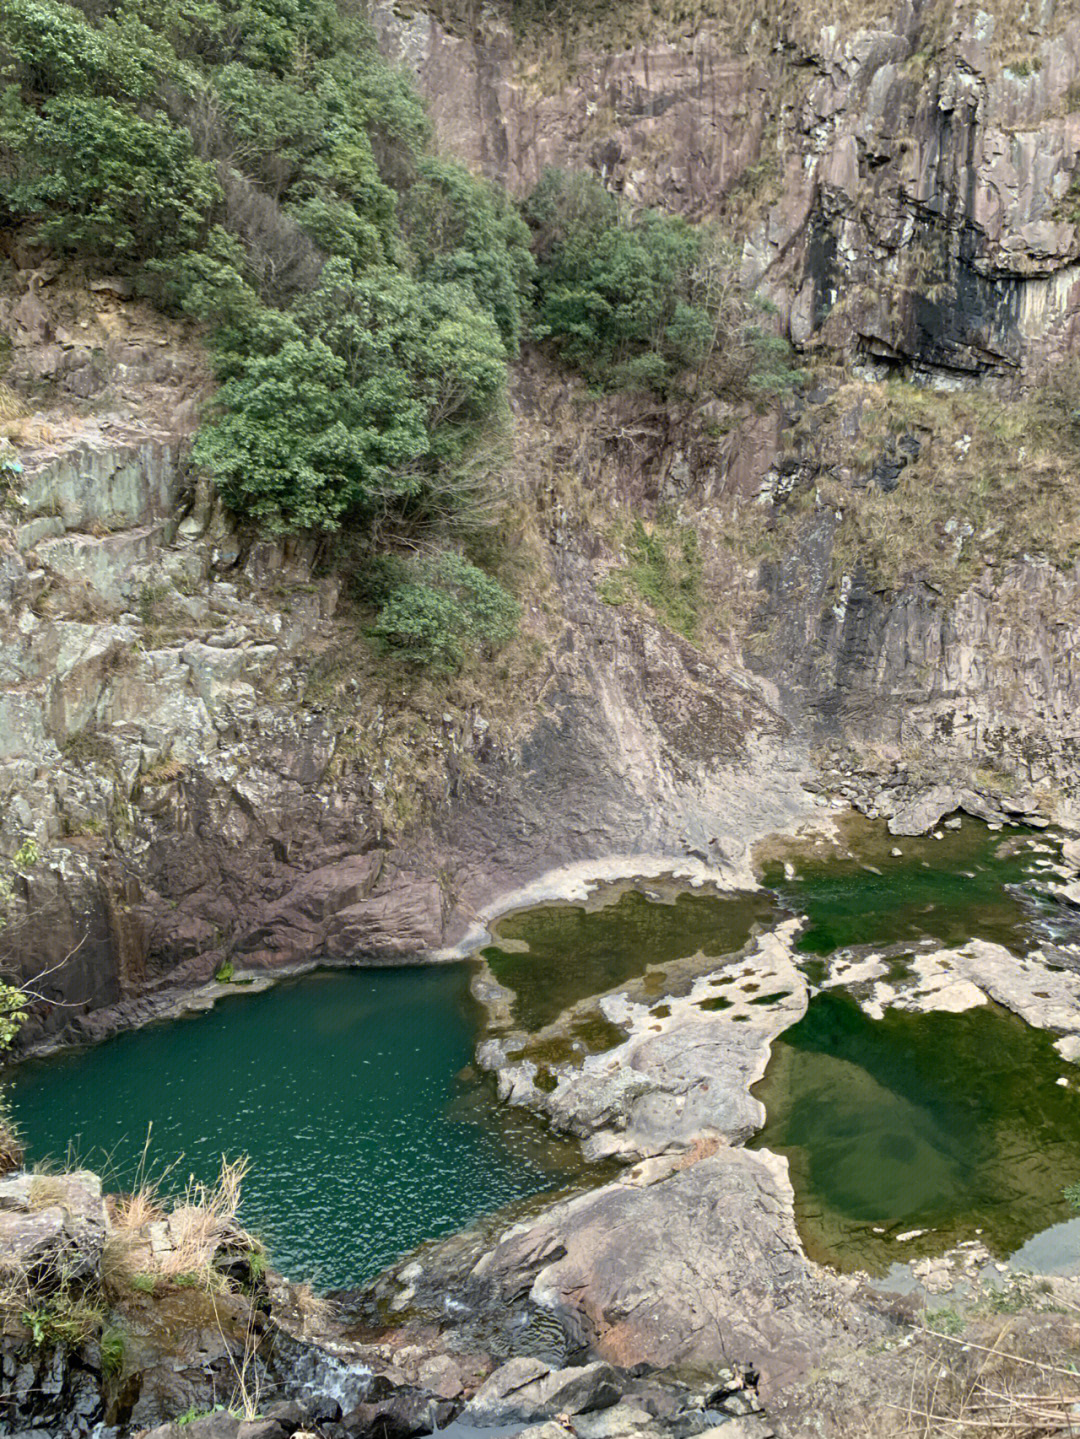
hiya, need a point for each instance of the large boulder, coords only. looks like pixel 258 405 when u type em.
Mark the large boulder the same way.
pixel 526 1390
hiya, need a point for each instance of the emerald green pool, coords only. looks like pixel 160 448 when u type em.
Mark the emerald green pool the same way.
pixel 342 1087
pixel 972 882
pixel 553 956
pixel 951 1123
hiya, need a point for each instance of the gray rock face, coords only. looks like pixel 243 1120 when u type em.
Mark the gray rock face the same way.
pixel 692 1263
pixel 915 214
pixel 526 1390
pixel 52 1227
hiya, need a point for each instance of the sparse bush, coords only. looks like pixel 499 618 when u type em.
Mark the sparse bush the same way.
pixel 663 569
pixel 65 1318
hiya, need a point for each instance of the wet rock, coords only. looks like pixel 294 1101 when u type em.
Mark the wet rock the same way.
pixel 401 1415
pixel 922 813
pixel 696 1263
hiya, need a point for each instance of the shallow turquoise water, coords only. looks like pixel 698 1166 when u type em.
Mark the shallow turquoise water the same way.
pixel 341 1087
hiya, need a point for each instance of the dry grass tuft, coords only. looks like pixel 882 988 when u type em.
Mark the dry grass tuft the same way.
pixel 11 407
pixel 12 1152
pixel 990 1383
pixel 135 1211
pixel 204 1221
pixel 164 772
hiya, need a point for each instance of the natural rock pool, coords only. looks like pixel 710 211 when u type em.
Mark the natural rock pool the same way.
pixel 950 1124
pixel 369 1132
pixel 344 1088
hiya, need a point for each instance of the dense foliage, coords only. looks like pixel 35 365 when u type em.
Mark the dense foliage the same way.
pixel 647 302
pixel 257 164
pixel 445 610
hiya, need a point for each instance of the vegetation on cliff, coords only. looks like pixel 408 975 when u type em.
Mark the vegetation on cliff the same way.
pixel 646 303
pixel 259 166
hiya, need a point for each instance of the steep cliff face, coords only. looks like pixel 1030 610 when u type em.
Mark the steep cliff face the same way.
pixel 192 729
pixel 904 182
pixel 211 763
pixel 906 191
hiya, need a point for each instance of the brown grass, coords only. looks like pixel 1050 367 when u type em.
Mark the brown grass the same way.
pixel 164 772
pixel 11 407
pixel 983 1386
pixel 1001 469
pixel 204 1220
pixel 12 1151
pixel 135 1211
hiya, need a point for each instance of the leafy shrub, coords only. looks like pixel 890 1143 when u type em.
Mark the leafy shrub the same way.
pixel 448 611
pixel 99 180
pixel 649 304
pixel 465 231
pixel 363 414
pixel 614 297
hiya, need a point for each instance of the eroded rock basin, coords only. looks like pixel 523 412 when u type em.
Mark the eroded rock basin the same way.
pixel 912 999
pixel 920 1011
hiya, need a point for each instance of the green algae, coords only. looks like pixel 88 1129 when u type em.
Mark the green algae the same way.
pixel 774 998
pixel 971 883
pixel 588 1034
pixel 816 970
pixel 575 951
pixel 951 1123
pixel 898 968
pixel 716 1003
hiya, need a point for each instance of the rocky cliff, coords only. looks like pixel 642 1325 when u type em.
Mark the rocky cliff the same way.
pixel 905 188
pixel 210 764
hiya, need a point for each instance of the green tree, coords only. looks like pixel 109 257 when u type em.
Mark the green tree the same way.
pixel 615 298
pixel 646 303
pixel 465 231
pixel 364 416
pixel 101 181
